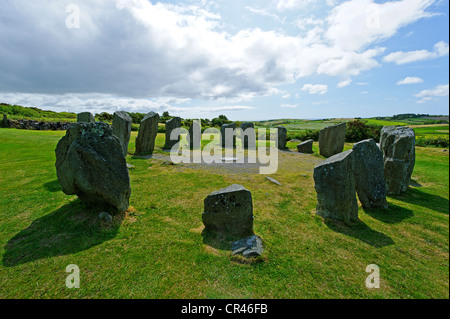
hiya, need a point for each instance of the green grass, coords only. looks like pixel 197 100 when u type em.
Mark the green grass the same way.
pixel 157 250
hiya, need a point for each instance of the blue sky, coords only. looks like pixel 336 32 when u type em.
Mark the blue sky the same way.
pixel 249 60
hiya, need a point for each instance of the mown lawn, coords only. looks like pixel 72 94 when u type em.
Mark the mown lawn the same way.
pixel 157 250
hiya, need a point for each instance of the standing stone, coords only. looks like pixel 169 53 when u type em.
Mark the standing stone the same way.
pixel 5 121
pixel 332 139
pixel 369 174
pixel 398 147
pixel 86 117
pixel 195 135
pixel 229 211
pixel 121 127
pixel 335 186
pixel 148 129
pixel 171 125
pixel 306 147
pixel 90 164
pixel 281 137
pixel 248 136
pixel 230 139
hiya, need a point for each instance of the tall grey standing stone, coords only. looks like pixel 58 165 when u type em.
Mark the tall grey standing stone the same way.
pixel 172 125
pixel 332 139
pixel 281 137
pixel 398 146
pixel 369 174
pixel 90 164
pixel 228 136
pixel 306 147
pixel 229 211
pixel 248 136
pixel 86 117
pixel 148 129
pixel 195 135
pixel 335 186
pixel 121 127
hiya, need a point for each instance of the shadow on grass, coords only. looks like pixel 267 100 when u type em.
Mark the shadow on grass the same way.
pixel 393 215
pixel 218 240
pixel 360 231
pixel 418 197
pixel 67 230
pixel 53 186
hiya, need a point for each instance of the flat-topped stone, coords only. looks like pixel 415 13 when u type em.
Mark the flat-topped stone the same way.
pixel 172 126
pixel 85 117
pixel 332 139
pixel 121 127
pixel 228 136
pixel 335 186
pixel 306 147
pixel 229 211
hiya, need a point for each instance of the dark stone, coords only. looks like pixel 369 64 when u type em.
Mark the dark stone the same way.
pixel 229 211
pixel 335 186
pixel 281 137
pixel 248 136
pixel 369 174
pixel 228 140
pixel 85 117
pixel 195 136
pixel 90 164
pixel 306 147
pixel 148 129
pixel 121 127
pixel 174 124
pixel 248 247
pixel 398 147
pixel 332 139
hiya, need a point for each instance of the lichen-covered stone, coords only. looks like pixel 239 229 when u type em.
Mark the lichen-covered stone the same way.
pixel 369 174
pixel 332 139
pixel 229 211
pixel 90 164
pixel 306 147
pixel 398 146
pixel 121 127
pixel 148 129
pixel 85 117
pixel 335 186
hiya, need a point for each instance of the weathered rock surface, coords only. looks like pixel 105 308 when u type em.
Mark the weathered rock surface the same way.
pixel 91 165
pixel 195 136
pixel 332 139
pixel 228 140
pixel 229 211
pixel 35 125
pixel 369 174
pixel 335 186
pixel 281 137
pixel 86 117
pixel 273 180
pixel 148 129
pixel 248 247
pixel 306 147
pixel 121 127
pixel 171 125
pixel 398 146
pixel 248 135
pixel 5 122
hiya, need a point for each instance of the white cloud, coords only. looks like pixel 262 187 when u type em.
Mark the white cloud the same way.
pixel 286 96
pixel 440 49
pixel 293 4
pixel 410 80
pixel 315 88
pixel 355 24
pixel 289 105
pixel 365 92
pixel 344 83
pixel 264 12
pixel 438 91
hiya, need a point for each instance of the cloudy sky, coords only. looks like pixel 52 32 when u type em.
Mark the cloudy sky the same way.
pixel 248 59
